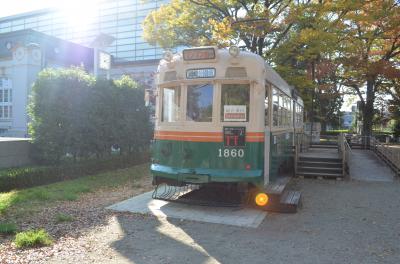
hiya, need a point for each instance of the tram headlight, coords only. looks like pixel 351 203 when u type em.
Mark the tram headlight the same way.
pixel 168 55
pixel 234 51
pixel 261 199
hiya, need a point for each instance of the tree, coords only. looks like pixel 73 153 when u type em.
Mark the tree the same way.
pixel 306 59
pixel 133 125
pixel 75 115
pixel 258 25
pixel 359 39
pixel 370 42
pixel 58 112
pixel 393 88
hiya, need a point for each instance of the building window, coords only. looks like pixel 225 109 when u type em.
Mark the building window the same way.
pixel 5 111
pixel 5 98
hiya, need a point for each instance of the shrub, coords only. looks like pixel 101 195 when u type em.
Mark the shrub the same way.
pixel 33 238
pixel 8 228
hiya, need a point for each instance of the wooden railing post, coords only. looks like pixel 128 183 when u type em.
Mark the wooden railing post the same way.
pixel 296 157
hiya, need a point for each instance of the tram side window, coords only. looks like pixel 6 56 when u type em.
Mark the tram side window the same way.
pixel 281 112
pixel 171 104
pixel 275 102
pixel 301 110
pixel 235 101
pixel 199 103
pixel 266 104
pixel 284 111
pixel 299 116
pixel 289 112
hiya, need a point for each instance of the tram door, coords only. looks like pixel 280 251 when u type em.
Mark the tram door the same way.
pixel 267 132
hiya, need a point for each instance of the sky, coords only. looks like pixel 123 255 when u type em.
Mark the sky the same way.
pixel 12 7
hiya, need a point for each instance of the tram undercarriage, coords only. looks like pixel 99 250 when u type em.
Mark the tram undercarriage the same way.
pixel 275 197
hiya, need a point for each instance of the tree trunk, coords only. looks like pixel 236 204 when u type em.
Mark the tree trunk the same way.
pixel 368 111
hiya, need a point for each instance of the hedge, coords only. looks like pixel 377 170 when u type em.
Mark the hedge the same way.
pixel 73 114
pixel 25 177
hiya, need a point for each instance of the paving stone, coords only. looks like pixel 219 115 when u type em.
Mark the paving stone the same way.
pixel 144 204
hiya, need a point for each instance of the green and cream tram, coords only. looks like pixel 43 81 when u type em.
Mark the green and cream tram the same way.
pixel 222 116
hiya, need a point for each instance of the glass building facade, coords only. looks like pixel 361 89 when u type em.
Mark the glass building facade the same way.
pixel 121 19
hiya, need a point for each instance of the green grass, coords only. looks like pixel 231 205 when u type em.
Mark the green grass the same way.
pixel 61 218
pixel 33 238
pixel 26 199
pixel 8 228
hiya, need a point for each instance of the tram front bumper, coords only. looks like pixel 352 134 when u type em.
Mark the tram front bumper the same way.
pixel 202 175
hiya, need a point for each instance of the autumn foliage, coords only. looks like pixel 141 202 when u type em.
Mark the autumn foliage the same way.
pixel 324 48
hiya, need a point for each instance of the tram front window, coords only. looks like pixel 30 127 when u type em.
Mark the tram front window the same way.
pixel 170 104
pixel 199 103
pixel 235 101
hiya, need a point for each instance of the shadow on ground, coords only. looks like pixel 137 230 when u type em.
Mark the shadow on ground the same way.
pixel 341 222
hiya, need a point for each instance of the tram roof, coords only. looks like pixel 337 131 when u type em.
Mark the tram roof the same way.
pixel 273 77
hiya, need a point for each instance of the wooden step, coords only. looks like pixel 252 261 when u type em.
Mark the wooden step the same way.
pixel 330 146
pixel 319 159
pixel 319 164
pixel 302 169
pixel 325 143
pixel 278 186
pixel 318 174
pixel 289 202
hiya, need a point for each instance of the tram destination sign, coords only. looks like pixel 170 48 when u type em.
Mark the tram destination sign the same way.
pixel 234 136
pixel 200 73
pixel 235 113
pixel 199 54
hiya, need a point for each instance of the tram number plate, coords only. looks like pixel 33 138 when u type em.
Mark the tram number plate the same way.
pixel 230 153
pixel 234 136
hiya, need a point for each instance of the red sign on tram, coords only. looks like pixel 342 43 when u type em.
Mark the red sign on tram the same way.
pixel 234 136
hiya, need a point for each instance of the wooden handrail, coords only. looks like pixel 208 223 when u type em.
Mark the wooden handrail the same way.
pixel 387 153
pixel 390 155
pixel 344 152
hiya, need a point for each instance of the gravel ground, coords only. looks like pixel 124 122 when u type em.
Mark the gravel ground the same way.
pixel 71 238
pixel 340 222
